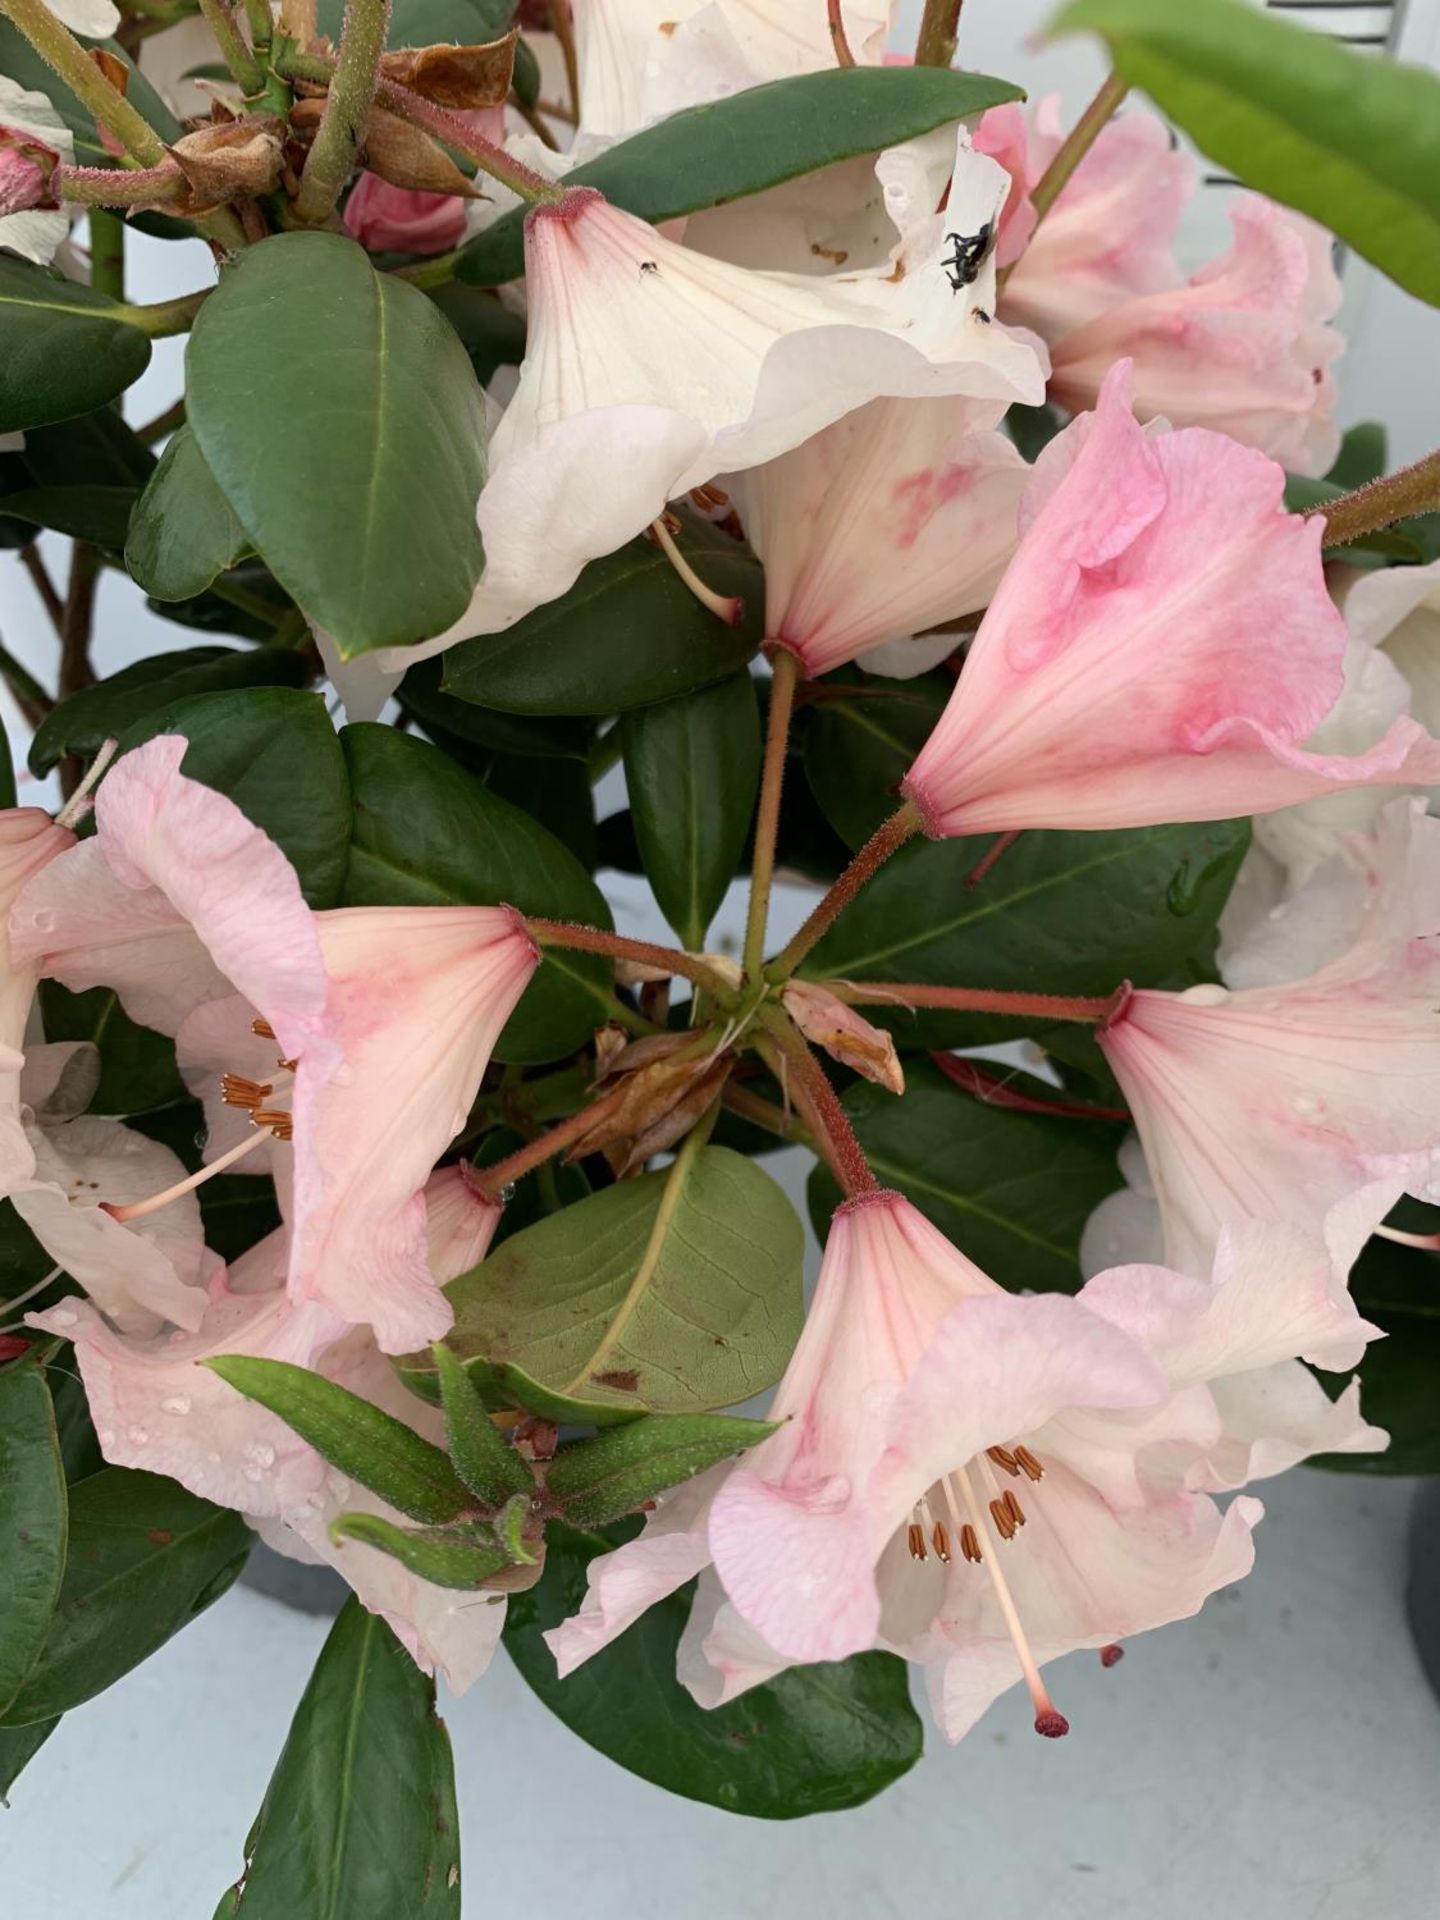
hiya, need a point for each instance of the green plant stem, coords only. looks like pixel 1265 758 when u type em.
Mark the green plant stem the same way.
pixel 102 187
pixel 435 272
pixel 331 159
pixel 63 53
pixel 939 30
pixel 785 673
pixel 163 423
pixel 560 933
pixel 1046 1006
pixel 1380 504
pixel 808 1085
pixel 164 317
pixel 761 1112
pixel 107 253
pixel 245 68
pixel 885 840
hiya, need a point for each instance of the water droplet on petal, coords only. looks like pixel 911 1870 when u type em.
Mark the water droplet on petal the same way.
pixel 1307 1105
pixel 1206 995
pixel 42 920
pixel 63 1317
pixel 176 1403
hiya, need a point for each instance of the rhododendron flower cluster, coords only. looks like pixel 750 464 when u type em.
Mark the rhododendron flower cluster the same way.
pixel 807 457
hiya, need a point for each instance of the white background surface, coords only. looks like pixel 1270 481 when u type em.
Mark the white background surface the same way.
pixel 1278 1759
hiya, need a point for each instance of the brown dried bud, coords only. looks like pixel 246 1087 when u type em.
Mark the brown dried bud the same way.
pixel 230 160
pixel 661 1100
pixel 843 1034
pixel 394 150
pixel 462 78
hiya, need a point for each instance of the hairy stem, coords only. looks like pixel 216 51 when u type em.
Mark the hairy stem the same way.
pixel 767 818
pixel 101 187
pixel 488 157
pixel 331 159
pixel 63 53
pixel 492 1181
pixel 1046 1006
pixel 1395 497
pixel 939 30
pixel 809 1087
pixel 560 933
pixel 885 840
pixel 234 50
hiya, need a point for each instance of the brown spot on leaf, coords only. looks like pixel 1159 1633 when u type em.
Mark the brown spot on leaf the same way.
pixel 623 1379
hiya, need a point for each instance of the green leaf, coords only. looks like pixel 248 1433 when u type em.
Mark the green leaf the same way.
pixel 341 419
pixel 359 1438
pixel 32 1523
pixel 1012 1190
pixel 426 23
pixel 1070 913
pixel 98 449
pixel 99 514
pixel 601 1479
pixel 692 767
pixel 7 770
pixel 445 718
pixel 359 1820
pixel 816 1739
pixel 82 723
pixel 858 750
pixel 628 633
pixel 273 751
pixel 18 1747
pixel 1398 1289
pixel 1353 141
pixel 755 139
pixel 62 351
pixel 145 1558
pixel 457 1557
pixel 137 1066
pixel 427 834
pixel 183 531
pixel 491 334
pixel 555 795
pixel 1363 456
pixel 20 62
pixel 673 1293
pixel 479 1452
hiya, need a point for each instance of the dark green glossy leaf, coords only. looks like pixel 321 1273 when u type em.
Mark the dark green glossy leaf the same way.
pixel 98 514
pixel 1071 913
pixel 462 1557
pixel 1363 456
pixel 479 1452
pixel 7 770
pixel 628 633
pixel 32 1523
pixel 553 1186
pixel 354 1435
pixel 79 1447
pixel 556 795
pixel 692 768
pixel 183 531
pixel 814 1740
pixel 18 1747
pixel 1353 141
pixel 752 140
pixel 97 449
pixel 1012 1190
pixel 492 335
pixel 273 751
pixel 620 1305
pixel 342 421
pixel 62 351
pixel 427 834
pixel 1397 1289
pixel 614 1473
pixel 247 600
pixel 425 23
pixel 145 1557
pixel 80 724
pixel 20 62
pixel 485 728
pixel 359 1819
pixel 857 750
pixel 137 1066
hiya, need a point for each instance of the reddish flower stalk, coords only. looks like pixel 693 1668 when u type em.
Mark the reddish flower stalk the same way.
pixel 809 1087
pixel 885 840
pixel 995 1092
pixel 560 933
pixel 1047 1006
pixel 843 56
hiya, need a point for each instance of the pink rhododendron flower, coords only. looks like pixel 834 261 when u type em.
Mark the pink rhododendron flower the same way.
pixel 362 1033
pixel 922 1406
pixel 385 217
pixel 620 319
pixel 1158 649
pixel 29 840
pixel 1316 1101
pixel 157 1407
pixel 641 60
pixel 899 516
pixel 1243 345
pixel 34 140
